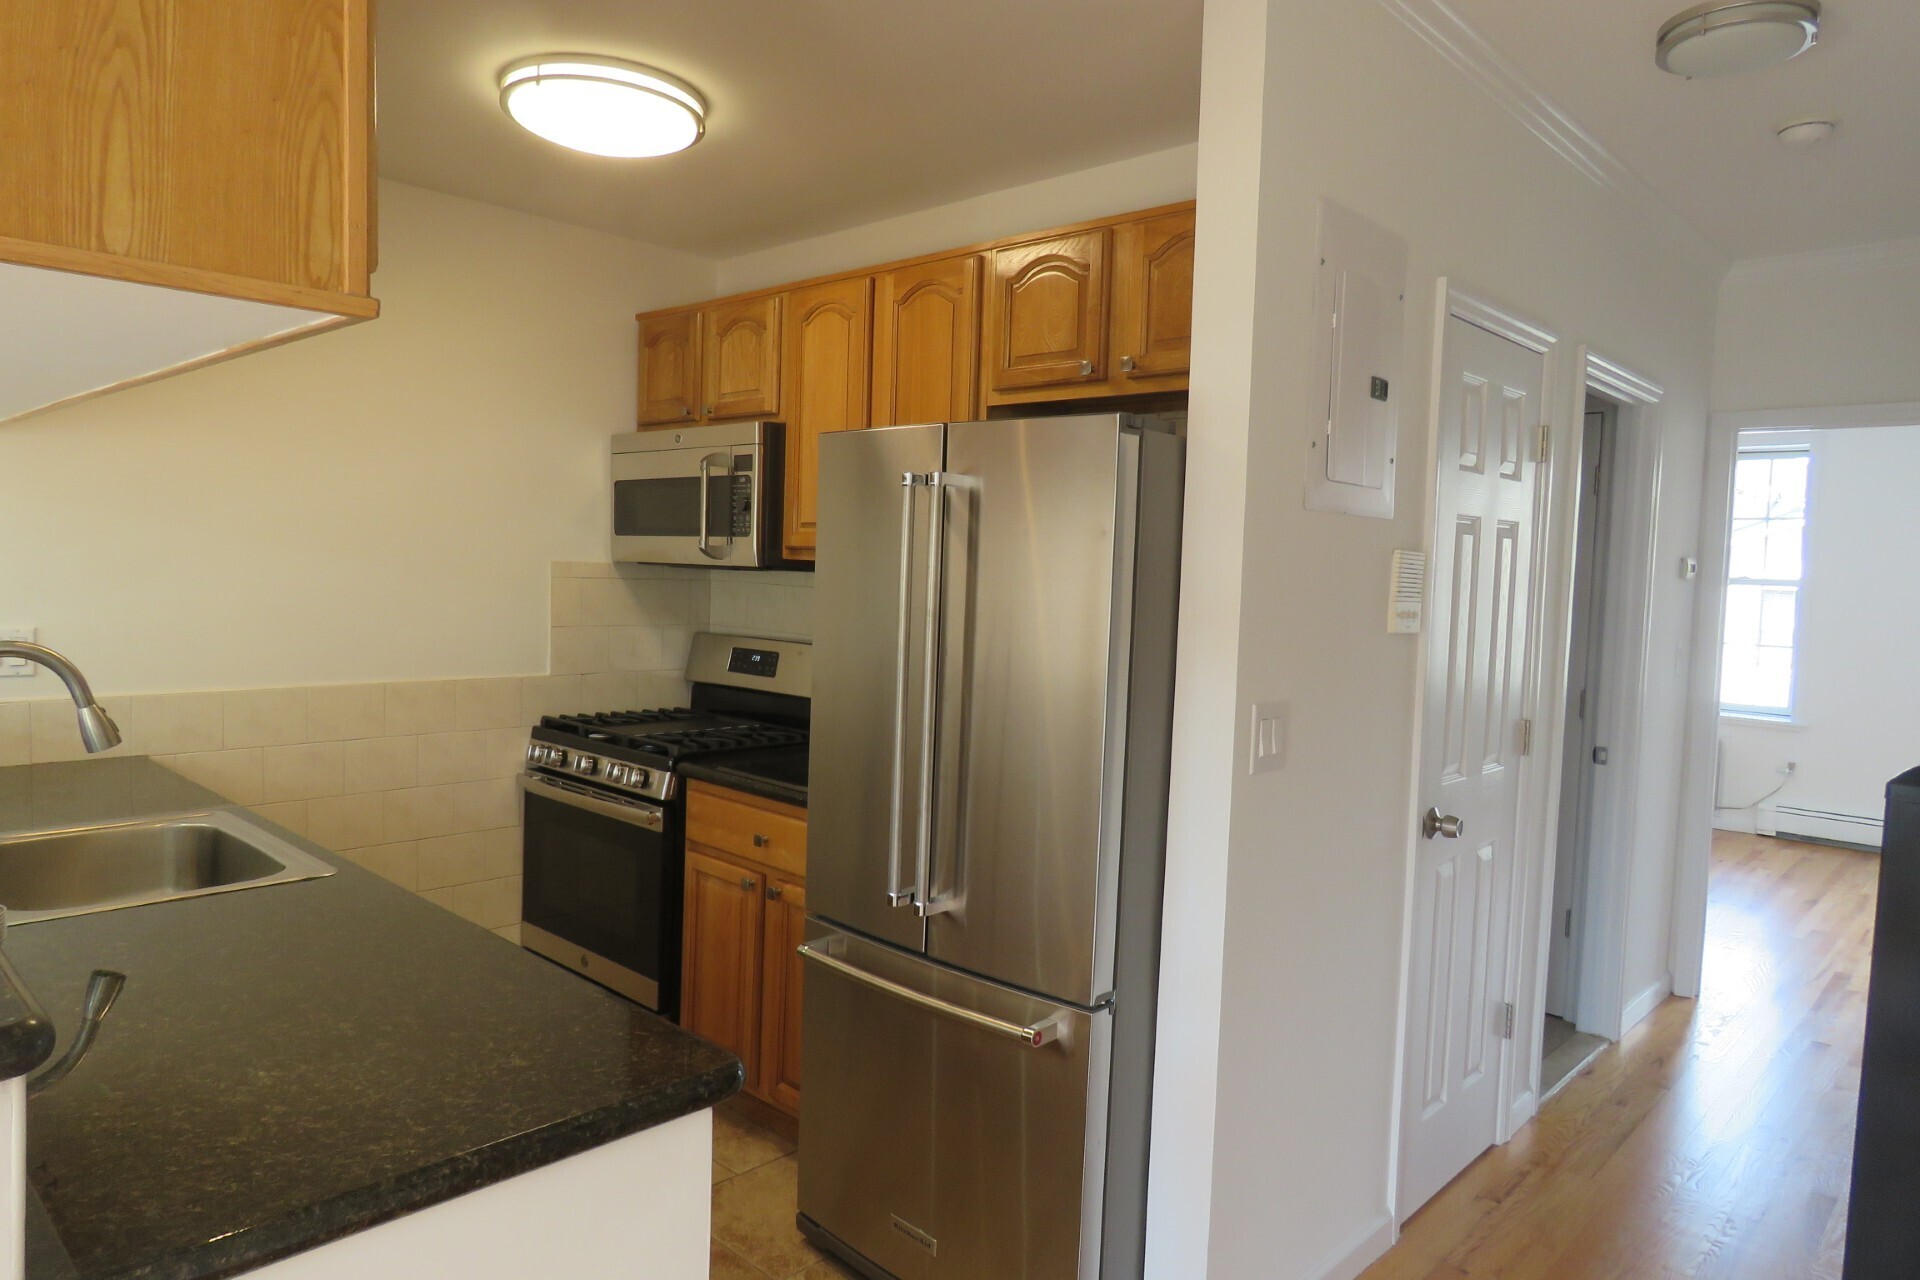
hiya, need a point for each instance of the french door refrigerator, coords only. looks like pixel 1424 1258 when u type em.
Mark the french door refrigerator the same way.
pixel 993 675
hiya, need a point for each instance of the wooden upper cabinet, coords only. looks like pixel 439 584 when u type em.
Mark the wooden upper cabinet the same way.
pixel 1153 298
pixel 740 344
pixel 1046 323
pixel 926 342
pixel 221 151
pixel 670 368
pixel 829 337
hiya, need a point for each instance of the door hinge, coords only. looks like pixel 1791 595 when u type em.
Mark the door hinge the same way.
pixel 1526 737
pixel 1506 1022
pixel 1545 449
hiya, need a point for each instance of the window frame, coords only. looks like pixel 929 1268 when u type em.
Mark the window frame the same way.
pixel 1790 714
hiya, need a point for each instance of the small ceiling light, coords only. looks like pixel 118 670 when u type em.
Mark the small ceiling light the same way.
pixel 1726 37
pixel 1802 134
pixel 603 106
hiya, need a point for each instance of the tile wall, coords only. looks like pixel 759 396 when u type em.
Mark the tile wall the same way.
pixel 414 780
pixel 778 605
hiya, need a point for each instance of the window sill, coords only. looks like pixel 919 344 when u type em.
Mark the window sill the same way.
pixel 1751 719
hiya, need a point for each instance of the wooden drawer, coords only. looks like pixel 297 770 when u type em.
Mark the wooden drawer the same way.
pixel 763 831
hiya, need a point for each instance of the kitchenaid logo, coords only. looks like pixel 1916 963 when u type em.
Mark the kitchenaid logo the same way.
pixel 916 1235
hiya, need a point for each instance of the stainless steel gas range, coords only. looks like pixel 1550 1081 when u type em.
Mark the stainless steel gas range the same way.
pixel 605 806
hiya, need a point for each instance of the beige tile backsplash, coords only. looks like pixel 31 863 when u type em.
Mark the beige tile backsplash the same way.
pixel 415 780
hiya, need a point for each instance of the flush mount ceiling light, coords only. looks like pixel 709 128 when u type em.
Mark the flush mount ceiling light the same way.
pixel 1802 134
pixel 603 106
pixel 1727 37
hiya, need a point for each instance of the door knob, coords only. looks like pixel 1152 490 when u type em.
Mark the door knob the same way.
pixel 1445 825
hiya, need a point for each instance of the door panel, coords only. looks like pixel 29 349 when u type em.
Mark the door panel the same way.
pixel 720 999
pixel 740 349
pixel 670 368
pixel 926 342
pixel 858 706
pixel 1047 313
pixel 1478 640
pixel 1153 297
pixel 1022 834
pixel 829 337
pixel 782 986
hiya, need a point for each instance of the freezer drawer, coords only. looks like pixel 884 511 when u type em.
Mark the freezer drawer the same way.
pixel 954 1129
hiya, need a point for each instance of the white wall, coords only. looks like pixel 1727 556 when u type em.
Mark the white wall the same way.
pixel 379 503
pixel 1308 867
pixel 1160 177
pixel 1857 702
pixel 1818 330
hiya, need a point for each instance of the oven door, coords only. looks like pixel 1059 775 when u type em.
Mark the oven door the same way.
pixel 698 506
pixel 602 888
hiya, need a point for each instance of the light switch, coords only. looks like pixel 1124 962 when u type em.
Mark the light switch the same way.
pixel 1268 752
pixel 17 666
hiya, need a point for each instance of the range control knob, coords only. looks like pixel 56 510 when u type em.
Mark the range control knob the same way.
pixel 640 777
pixel 540 753
pixel 620 773
pixel 586 766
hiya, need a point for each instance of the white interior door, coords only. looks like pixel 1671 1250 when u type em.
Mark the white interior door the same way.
pixel 1477 640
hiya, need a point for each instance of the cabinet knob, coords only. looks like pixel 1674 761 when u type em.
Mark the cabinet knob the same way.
pixel 759 841
pixel 709 411
pixel 1086 368
pixel 746 882
pixel 773 891
pixel 1126 364
pixel 686 411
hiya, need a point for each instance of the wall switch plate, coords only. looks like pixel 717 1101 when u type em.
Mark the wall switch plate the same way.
pixel 17 666
pixel 1268 750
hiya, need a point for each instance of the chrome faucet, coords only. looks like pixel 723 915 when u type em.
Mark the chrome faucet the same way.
pixel 97 729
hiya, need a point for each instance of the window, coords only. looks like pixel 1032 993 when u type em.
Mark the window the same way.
pixel 1763 580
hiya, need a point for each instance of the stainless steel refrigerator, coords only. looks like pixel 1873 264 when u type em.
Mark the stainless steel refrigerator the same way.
pixel 992 701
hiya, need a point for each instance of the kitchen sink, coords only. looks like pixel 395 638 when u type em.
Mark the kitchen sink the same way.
pixel 76 870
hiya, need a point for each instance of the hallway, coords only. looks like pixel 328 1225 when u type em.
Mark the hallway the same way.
pixel 1715 1141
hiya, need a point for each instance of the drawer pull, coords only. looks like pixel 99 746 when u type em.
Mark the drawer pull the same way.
pixel 759 841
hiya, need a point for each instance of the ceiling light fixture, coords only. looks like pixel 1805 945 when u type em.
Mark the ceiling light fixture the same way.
pixel 1802 134
pixel 603 106
pixel 1727 37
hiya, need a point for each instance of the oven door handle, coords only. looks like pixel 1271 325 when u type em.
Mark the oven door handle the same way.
pixel 633 812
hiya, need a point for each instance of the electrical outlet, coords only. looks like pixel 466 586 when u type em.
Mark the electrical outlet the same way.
pixel 1268 750
pixel 17 666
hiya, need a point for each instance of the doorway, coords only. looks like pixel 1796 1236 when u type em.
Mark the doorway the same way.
pixel 1564 1045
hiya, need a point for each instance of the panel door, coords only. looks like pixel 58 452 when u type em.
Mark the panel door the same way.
pixel 669 368
pixel 1031 720
pixel 1046 322
pixel 740 353
pixel 926 342
pixel 1153 300
pixel 829 341
pixel 1478 636
pixel 868 703
pixel 720 973
pixel 782 992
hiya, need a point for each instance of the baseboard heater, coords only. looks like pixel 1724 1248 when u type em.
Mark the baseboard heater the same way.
pixel 1854 830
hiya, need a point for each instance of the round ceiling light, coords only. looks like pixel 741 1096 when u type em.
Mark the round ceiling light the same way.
pixel 603 106
pixel 1802 134
pixel 1727 37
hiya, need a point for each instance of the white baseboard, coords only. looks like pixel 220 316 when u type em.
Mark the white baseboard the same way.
pixel 1862 830
pixel 1358 1253
pixel 1645 1003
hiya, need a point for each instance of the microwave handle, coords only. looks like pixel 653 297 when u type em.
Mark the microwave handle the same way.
pixel 706 499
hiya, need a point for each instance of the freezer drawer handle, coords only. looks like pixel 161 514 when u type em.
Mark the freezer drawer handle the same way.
pixel 1041 1033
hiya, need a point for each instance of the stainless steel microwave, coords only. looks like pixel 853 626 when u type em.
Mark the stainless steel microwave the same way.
pixel 699 495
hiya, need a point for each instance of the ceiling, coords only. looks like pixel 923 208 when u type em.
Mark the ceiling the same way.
pixel 1707 147
pixel 824 114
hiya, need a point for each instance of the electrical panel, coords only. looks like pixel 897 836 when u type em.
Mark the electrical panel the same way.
pixel 1359 320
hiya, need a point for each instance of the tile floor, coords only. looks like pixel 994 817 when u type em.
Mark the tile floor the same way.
pixel 755 1185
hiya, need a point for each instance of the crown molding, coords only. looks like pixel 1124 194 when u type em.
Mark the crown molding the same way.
pixel 1885 256
pixel 1491 71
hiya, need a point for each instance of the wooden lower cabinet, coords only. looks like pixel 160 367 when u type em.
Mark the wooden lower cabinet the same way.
pixel 740 984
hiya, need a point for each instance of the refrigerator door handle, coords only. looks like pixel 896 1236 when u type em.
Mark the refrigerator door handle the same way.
pixel 1033 1036
pixel 924 899
pixel 900 894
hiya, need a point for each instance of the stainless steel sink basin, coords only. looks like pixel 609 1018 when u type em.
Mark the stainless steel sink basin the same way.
pixel 48 874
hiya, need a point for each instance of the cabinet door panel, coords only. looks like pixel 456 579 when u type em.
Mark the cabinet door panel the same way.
pixel 741 352
pixel 669 368
pixel 720 974
pixel 781 994
pixel 1047 316
pixel 926 343
pixel 1153 297
pixel 829 338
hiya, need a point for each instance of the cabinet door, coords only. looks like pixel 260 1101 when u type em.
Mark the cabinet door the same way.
pixel 1047 314
pixel 720 970
pixel 926 343
pixel 669 368
pixel 781 993
pixel 1153 298
pixel 829 338
pixel 741 352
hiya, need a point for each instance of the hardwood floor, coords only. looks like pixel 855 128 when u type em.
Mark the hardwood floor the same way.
pixel 1716 1140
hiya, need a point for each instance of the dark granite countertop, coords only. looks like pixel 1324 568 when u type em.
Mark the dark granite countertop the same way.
pixel 777 773
pixel 293 1063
